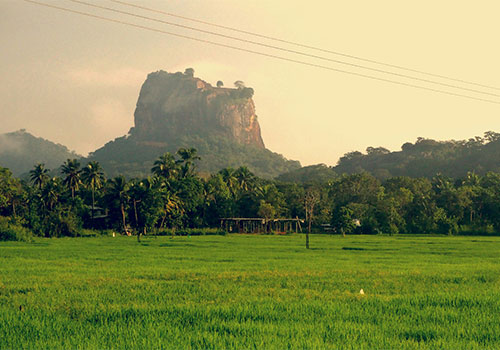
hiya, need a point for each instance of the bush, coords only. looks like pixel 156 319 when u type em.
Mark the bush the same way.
pixel 61 223
pixel 14 232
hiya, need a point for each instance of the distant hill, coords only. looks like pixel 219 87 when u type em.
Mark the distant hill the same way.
pixel 20 151
pixel 424 158
pixel 177 110
pixel 427 158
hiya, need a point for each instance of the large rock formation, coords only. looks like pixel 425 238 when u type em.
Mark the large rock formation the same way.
pixel 177 104
pixel 178 110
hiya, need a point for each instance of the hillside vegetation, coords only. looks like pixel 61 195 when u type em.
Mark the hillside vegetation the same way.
pixel 20 150
pixel 424 158
pixel 126 156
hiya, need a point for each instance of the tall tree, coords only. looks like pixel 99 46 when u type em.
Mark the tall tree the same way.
pixel 93 177
pixel 72 180
pixel 117 195
pixel 146 205
pixel 246 179
pixel 229 177
pixel 39 175
pixel 310 201
pixel 343 220
pixel 188 156
pixel 165 166
pixel 51 193
pixel 11 191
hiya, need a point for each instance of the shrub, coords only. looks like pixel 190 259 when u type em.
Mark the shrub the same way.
pixel 61 224
pixel 14 232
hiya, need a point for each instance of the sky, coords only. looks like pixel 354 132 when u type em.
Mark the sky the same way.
pixel 75 80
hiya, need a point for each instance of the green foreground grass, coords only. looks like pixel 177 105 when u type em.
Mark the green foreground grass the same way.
pixel 251 292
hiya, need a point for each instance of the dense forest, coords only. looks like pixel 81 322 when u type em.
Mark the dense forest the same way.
pixel 424 158
pixel 175 197
pixel 427 158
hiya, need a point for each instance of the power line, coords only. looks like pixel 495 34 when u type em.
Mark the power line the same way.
pixel 302 45
pixel 284 49
pixel 260 53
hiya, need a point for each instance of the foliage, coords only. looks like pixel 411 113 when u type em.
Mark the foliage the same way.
pixel 427 158
pixel 11 231
pixel 175 197
pixel 343 220
pixel 72 172
pixel 125 156
pixel 20 150
pixel 319 173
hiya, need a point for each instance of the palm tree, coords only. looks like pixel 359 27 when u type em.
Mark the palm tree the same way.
pixel 51 193
pixel 165 166
pixel 93 177
pixel 117 190
pixel 71 168
pixel 188 156
pixel 229 177
pixel 39 175
pixel 246 179
pixel 172 209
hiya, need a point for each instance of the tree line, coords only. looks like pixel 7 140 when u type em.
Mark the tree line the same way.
pixel 174 196
pixel 427 157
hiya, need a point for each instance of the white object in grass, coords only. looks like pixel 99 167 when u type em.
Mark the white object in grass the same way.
pixel 362 291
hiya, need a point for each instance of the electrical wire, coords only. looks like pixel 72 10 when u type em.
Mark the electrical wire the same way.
pixel 302 45
pixel 283 49
pixel 259 53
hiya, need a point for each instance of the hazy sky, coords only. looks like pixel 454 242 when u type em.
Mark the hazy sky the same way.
pixel 75 80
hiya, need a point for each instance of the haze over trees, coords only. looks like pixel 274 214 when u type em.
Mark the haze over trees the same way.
pixel 19 150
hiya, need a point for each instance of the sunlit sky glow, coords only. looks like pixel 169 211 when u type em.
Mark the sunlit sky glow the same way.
pixel 75 80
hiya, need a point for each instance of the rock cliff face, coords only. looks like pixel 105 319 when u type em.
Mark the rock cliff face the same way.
pixel 172 105
pixel 176 110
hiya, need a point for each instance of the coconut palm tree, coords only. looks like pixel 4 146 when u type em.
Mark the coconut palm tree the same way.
pixel 246 179
pixel 188 156
pixel 117 191
pixel 72 180
pixel 165 166
pixel 229 177
pixel 51 193
pixel 93 177
pixel 39 175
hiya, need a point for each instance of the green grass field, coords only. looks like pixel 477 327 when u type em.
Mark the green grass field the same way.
pixel 251 292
